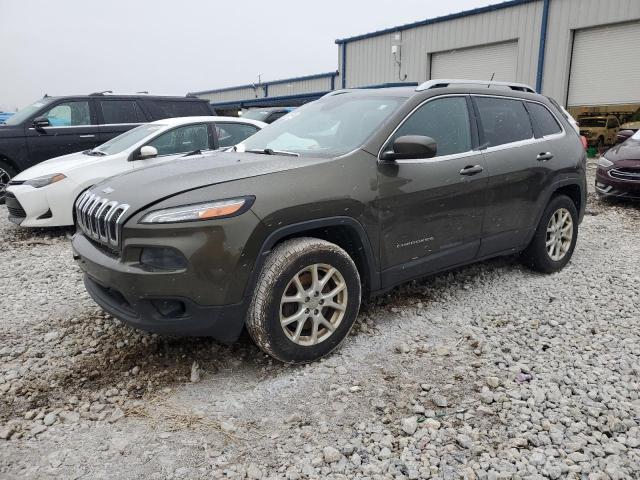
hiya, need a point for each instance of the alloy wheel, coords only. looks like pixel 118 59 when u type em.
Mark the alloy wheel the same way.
pixel 559 234
pixel 313 304
pixel 4 181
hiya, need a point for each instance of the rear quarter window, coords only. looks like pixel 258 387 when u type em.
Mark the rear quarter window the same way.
pixel 176 108
pixel 544 119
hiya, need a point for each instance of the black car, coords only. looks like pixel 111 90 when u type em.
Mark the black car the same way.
pixel 267 115
pixel 55 126
pixel 360 191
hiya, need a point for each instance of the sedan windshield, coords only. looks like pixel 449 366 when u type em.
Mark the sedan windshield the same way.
pixel 331 126
pixel 24 113
pixel 128 139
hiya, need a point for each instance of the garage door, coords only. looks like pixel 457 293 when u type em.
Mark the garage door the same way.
pixel 605 66
pixel 499 60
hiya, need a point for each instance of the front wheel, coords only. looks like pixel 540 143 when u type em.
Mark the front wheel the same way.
pixel 6 174
pixel 555 238
pixel 305 302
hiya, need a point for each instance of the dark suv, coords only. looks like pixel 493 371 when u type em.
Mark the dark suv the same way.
pixel 347 196
pixel 55 126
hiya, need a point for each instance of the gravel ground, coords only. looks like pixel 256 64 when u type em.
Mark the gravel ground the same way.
pixel 489 372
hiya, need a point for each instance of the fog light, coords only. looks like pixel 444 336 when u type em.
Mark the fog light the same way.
pixel 163 258
pixel 169 308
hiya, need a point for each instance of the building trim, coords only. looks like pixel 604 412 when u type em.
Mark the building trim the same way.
pixel 266 84
pixel 343 73
pixel 543 44
pixel 430 21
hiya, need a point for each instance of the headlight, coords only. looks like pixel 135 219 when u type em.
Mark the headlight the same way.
pixel 45 180
pixel 603 162
pixel 199 211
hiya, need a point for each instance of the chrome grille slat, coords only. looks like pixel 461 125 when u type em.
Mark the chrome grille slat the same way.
pixel 100 218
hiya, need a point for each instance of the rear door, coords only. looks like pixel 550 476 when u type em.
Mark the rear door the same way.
pixel 116 116
pixel 519 164
pixel 232 133
pixel 73 128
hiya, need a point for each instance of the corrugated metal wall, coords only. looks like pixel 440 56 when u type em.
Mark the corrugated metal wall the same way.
pixel 313 85
pixel 566 16
pixel 369 61
pixel 232 94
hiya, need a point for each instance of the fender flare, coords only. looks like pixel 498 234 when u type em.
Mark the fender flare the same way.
pixel 371 272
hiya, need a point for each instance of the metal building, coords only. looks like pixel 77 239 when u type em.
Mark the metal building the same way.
pixel 584 53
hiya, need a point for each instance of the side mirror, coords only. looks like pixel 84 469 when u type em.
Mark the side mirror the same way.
pixel 622 135
pixel 41 122
pixel 411 147
pixel 147 152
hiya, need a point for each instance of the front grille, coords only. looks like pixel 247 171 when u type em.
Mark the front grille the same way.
pixel 100 219
pixel 14 207
pixel 625 173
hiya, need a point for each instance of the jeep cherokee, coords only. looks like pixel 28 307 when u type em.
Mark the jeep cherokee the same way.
pixel 345 197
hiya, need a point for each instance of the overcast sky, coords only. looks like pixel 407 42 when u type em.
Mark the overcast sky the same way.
pixel 66 47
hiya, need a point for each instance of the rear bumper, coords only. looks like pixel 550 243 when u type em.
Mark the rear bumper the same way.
pixel 130 294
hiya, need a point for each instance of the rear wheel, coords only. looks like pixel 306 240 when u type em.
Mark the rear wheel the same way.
pixel 6 174
pixel 555 238
pixel 306 300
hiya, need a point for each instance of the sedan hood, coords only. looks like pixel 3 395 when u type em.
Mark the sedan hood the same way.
pixel 63 164
pixel 145 186
pixel 625 152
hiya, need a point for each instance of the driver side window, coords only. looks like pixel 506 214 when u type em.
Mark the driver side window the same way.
pixel 182 140
pixel 69 114
pixel 446 120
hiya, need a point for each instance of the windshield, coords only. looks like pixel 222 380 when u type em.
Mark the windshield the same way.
pixel 331 126
pixel 593 122
pixel 256 114
pixel 128 139
pixel 26 112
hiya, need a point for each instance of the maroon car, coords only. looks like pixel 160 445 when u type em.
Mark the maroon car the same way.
pixel 618 173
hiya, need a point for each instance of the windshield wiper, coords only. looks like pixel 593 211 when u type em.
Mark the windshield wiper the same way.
pixel 95 153
pixel 193 152
pixel 271 151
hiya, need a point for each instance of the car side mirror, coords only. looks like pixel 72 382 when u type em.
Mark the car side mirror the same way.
pixel 41 122
pixel 623 135
pixel 410 147
pixel 146 152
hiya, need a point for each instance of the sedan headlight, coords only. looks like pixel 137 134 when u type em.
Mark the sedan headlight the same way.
pixel 603 162
pixel 199 211
pixel 45 180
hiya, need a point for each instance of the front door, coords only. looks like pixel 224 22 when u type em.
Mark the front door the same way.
pixel 72 129
pixel 430 210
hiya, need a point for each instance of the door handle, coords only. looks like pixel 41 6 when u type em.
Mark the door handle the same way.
pixel 471 170
pixel 87 136
pixel 544 156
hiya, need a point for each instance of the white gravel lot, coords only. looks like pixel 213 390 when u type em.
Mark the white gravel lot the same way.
pixel 489 372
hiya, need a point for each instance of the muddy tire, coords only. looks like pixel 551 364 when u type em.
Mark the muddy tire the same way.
pixel 555 238
pixel 305 302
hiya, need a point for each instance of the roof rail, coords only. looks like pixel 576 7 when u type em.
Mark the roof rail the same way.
pixel 100 93
pixel 446 82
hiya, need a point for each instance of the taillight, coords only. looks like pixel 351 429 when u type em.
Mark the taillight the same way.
pixel 583 139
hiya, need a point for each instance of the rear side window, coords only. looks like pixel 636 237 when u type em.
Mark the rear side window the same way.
pixel 503 120
pixel 544 119
pixel 446 120
pixel 170 109
pixel 120 111
pixel 230 134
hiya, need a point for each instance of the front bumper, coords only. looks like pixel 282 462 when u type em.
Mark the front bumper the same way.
pixel 608 187
pixel 146 300
pixel 50 206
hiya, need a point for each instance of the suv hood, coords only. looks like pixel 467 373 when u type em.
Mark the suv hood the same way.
pixel 8 131
pixel 142 187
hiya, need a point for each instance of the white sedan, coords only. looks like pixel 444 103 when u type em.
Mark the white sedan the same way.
pixel 44 195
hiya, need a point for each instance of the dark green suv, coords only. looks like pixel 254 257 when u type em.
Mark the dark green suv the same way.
pixel 345 197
